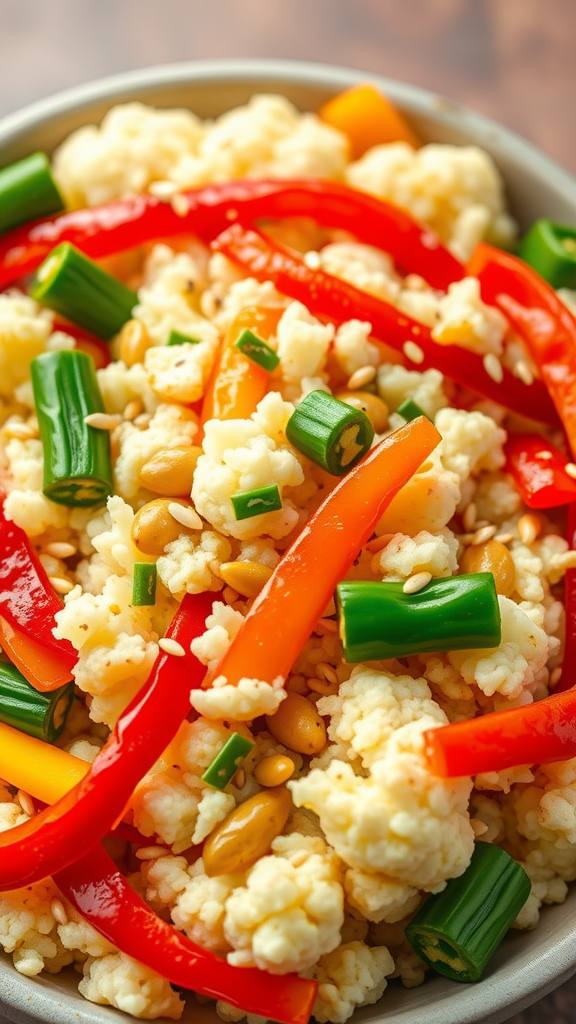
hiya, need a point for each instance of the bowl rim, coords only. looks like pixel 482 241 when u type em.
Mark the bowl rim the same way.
pixel 515 986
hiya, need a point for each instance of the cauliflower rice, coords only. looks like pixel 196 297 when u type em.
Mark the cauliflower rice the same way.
pixel 332 895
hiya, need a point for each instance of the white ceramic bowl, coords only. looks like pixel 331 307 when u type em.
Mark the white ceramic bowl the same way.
pixel 527 965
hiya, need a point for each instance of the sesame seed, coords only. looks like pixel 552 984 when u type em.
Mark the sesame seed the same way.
pixel 416 582
pixel 529 527
pixel 312 260
pixel 361 377
pixel 543 455
pixel 504 538
pixel 377 543
pixel 556 675
pixel 26 803
pixel 567 560
pixel 142 421
pixel 570 468
pixel 102 421
pixel 60 584
pixel 415 283
pixel 325 671
pixel 170 646
pixel 413 352
pixel 483 534
pixel 493 367
pixel 469 516
pixel 230 595
pixel 523 372
pixel 60 549
pixel 133 409
pixel 179 204
pixel 185 515
pixel 322 687
pixel 151 852
pixel 58 911
pixel 240 778
pixel 21 431
pixel 162 189
pixel 478 827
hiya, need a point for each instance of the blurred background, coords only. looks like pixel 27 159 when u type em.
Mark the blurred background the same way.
pixel 513 60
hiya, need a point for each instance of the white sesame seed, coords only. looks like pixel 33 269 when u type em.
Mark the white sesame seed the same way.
pixel 567 560
pixel 413 352
pixel 361 377
pixel 478 827
pixel 230 595
pixel 142 421
pixel 102 421
pixel 415 283
pixel 484 534
pixel 240 778
pixel 543 455
pixel 416 582
pixel 26 803
pixel 570 468
pixel 325 671
pixel 170 646
pixel 60 584
pixel 185 515
pixel 377 543
pixel 469 516
pixel 60 549
pixel 493 367
pixel 162 189
pixel 322 687
pixel 179 204
pixel 556 675
pixel 523 372
pixel 21 431
pixel 504 538
pixel 133 409
pixel 312 259
pixel 529 527
pixel 151 852
pixel 58 911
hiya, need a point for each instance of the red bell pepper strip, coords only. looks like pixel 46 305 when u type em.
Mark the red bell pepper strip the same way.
pixel 338 301
pixel 125 223
pixel 540 318
pixel 291 602
pixel 538 469
pixel 98 890
pixel 534 734
pixel 28 605
pixel 69 828
pixel 568 677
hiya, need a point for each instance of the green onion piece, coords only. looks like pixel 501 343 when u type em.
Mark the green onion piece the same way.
pixel 254 503
pixel 458 931
pixel 257 350
pixel 227 762
pixel 144 585
pixel 177 338
pixel 331 433
pixel 39 714
pixel 27 191
pixel 410 410
pixel 550 248
pixel 72 284
pixel 77 466
pixel 378 620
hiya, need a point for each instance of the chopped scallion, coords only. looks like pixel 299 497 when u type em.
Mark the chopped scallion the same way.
pixel 72 284
pixel 330 432
pixel 144 585
pixel 257 350
pixel 177 338
pixel 253 503
pixel 27 191
pixel 38 714
pixel 379 620
pixel 457 931
pixel 227 762
pixel 410 410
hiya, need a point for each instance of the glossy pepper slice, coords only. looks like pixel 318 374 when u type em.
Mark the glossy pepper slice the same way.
pixel 538 469
pixel 72 826
pixel 289 605
pixel 367 118
pixel 336 300
pixel 550 248
pixel 98 890
pixel 125 223
pixel 568 677
pixel 458 931
pixel 77 462
pixel 379 620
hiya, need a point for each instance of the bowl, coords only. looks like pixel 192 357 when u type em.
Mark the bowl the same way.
pixel 527 965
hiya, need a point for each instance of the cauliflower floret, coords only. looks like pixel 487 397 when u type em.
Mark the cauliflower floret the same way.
pixel 121 384
pixel 25 504
pixel 514 665
pixel 221 628
pixel 170 427
pixel 303 342
pixel 165 879
pixel 241 455
pixel 547 888
pixel 201 906
pixel 242 294
pixel 168 301
pixel 79 935
pixel 28 929
pixel 352 348
pixel 396 384
pixel 187 563
pixel 546 816
pixel 379 898
pixel 248 699
pixel 426 503
pixel 352 975
pixel 404 556
pixel 367 268
pixel 290 911
pixel 496 497
pixel 471 442
pixel 179 373
pixel 110 535
pixel 166 807
pixel 463 319
pixel 117 980
pixel 24 332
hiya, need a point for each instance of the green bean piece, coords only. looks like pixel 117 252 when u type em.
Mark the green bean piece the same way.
pixel 72 284
pixel 247 504
pixel 378 620
pixel 27 191
pixel 410 410
pixel 177 338
pixel 77 464
pixel 227 761
pixel 257 350
pixel 144 585
pixel 42 715
pixel 550 248
pixel 331 433
pixel 458 931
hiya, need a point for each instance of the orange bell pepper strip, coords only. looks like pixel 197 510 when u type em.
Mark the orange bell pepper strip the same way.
pixel 368 118
pixel 43 669
pixel 294 598
pixel 237 383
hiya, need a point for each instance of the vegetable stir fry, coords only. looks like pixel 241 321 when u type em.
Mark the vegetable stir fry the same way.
pixel 288 501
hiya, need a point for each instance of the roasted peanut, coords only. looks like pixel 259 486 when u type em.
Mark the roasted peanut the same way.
pixel 247 577
pixel 297 725
pixel 170 471
pixel 246 833
pixel 274 770
pixel 153 527
pixel 375 409
pixel 493 557
pixel 133 342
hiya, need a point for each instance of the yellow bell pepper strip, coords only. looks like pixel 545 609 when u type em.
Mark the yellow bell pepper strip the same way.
pixel 337 301
pixel 368 118
pixel 294 598
pixel 38 768
pixel 60 834
pixel 98 890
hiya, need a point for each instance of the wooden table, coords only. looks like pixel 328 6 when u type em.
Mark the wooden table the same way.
pixel 514 60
